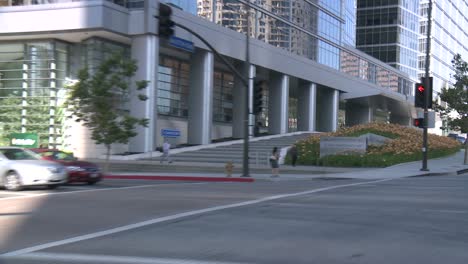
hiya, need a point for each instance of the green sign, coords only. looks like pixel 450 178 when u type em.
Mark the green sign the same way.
pixel 24 140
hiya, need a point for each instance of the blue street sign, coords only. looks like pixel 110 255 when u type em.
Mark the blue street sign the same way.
pixel 182 44
pixel 170 133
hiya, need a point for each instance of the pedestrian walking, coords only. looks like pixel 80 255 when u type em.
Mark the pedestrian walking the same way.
pixel 293 154
pixel 166 155
pixel 274 162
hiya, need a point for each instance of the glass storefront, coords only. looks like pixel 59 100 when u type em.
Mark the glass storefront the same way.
pixel 222 96
pixel 96 50
pixel 173 87
pixel 32 77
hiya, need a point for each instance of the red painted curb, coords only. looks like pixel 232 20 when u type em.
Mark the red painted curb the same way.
pixel 178 178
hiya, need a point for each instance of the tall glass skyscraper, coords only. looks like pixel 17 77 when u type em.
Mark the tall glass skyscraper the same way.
pixel 349 27
pixel 448 37
pixel 388 30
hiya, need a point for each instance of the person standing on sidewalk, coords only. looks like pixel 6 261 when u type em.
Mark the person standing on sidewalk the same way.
pixel 293 153
pixel 166 155
pixel 274 162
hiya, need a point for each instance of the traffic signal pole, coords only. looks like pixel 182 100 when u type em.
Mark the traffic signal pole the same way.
pixel 426 84
pixel 168 23
pixel 245 156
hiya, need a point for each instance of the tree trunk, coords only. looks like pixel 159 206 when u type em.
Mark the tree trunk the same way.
pixel 466 151
pixel 106 165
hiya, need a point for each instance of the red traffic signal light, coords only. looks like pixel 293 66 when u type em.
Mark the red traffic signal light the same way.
pixel 421 88
pixel 419 95
pixel 421 91
pixel 418 122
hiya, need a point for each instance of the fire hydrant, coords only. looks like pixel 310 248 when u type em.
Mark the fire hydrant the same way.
pixel 229 167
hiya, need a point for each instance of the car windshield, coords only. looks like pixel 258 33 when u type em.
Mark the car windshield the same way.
pixel 59 155
pixel 18 154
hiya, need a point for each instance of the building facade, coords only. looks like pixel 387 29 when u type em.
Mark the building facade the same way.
pixel 297 50
pixel 448 38
pixel 388 30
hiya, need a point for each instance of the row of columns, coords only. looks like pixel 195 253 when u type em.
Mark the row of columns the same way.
pixel 312 115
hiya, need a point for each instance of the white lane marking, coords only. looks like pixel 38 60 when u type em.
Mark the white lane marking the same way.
pixel 100 189
pixel 434 187
pixel 445 211
pixel 173 217
pixel 50 257
pixel 15 193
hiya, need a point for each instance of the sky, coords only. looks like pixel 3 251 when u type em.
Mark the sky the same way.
pixel 187 5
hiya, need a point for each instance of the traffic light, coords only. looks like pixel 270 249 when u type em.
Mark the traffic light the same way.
pixel 418 122
pixel 429 90
pixel 165 25
pixel 258 98
pixel 419 95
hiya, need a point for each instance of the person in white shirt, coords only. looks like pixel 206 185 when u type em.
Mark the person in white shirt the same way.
pixel 166 155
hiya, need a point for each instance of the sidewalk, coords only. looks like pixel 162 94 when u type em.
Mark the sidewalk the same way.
pixel 448 165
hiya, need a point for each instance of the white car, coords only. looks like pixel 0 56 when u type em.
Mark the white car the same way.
pixel 20 168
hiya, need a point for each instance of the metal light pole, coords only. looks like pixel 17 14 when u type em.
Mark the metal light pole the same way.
pixel 426 84
pixel 245 158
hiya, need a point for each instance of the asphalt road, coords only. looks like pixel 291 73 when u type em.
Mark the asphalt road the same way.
pixel 413 220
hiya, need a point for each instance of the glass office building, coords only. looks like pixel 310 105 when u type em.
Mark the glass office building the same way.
pixel 302 50
pixel 323 31
pixel 388 30
pixel 448 38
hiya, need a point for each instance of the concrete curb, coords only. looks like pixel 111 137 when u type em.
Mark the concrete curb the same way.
pixel 179 178
pixel 429 174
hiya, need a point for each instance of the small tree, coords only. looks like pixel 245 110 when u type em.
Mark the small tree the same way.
pixel 456 97
pixel 98 100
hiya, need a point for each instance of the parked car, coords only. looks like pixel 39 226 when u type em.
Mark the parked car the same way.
pixel 20 168
pixel 78 171
pixel 461 139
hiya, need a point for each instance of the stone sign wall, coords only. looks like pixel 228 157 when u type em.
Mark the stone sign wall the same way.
pixel 337 145
pixel 373 139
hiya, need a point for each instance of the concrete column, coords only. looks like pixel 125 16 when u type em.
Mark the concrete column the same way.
pixel 252 74
pixel 358 114
pixel 307 107
pixel 278 104
pixel 327 109
pixel 401 120
pixel 335 109
pixel 201 98
pixel 239 93
pixel 145 50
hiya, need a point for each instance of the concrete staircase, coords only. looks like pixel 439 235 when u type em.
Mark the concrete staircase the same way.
pixel 259 151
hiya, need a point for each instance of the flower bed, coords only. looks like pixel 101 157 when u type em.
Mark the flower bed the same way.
pixel 405 146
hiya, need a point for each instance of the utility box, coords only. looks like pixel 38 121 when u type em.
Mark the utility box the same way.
pixel 431 121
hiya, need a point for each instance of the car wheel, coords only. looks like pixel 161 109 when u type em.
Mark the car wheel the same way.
pixel 52 186
pixel 13 182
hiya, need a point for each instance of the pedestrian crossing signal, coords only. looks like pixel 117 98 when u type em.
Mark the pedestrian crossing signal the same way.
pixel 418 122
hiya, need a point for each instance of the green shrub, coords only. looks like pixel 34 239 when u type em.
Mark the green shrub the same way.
pixel 373 131
pixel 404 148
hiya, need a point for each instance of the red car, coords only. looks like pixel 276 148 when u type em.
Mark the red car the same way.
pixel 78 171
